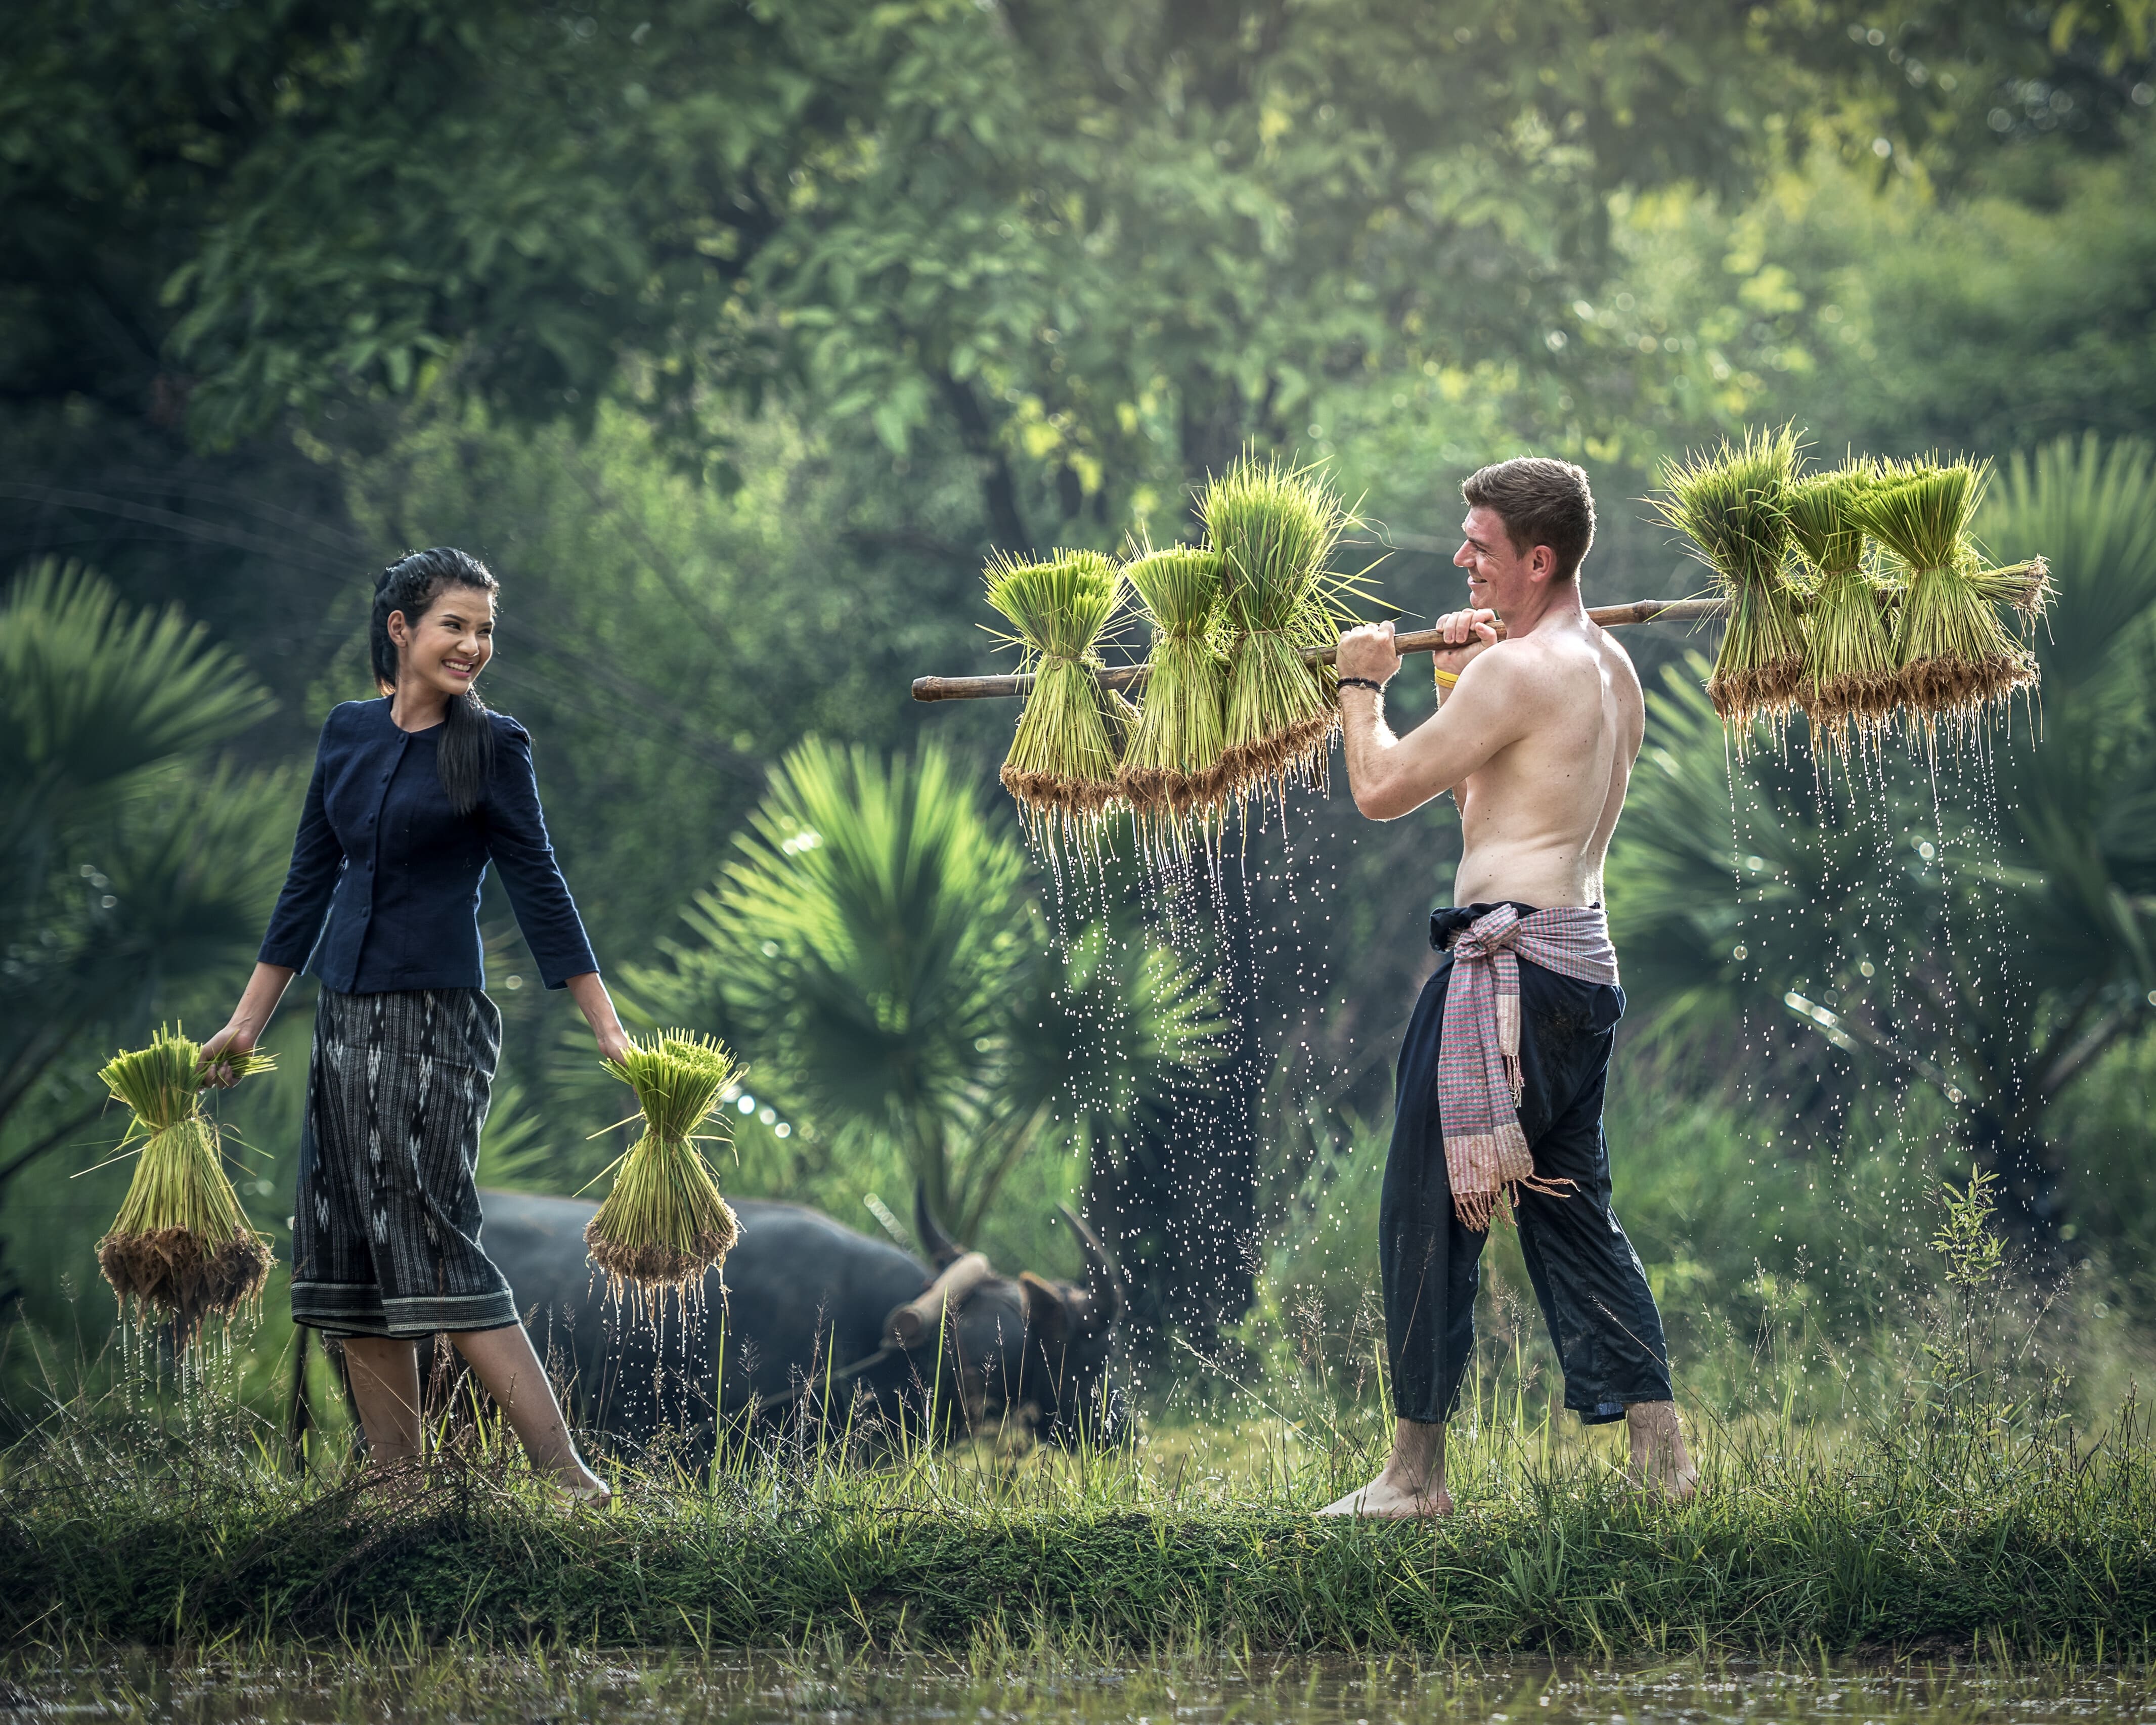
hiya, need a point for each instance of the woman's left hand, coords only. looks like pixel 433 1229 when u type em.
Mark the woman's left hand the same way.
pixel 613 1040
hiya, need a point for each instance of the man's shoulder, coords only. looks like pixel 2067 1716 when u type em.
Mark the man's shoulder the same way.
pixel 1613 655
pixel 1550 659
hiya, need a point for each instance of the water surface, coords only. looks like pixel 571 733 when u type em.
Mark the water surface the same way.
pixel 436 1688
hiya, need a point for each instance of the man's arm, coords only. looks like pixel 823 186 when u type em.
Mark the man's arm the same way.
pixel 1391 776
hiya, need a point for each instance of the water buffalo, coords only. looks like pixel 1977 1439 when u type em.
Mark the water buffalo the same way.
pixel 816 1319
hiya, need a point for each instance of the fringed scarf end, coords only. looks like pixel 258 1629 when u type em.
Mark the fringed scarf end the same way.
pixel 1480 1210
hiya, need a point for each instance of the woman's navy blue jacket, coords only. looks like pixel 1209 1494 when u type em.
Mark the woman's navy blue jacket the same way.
pixel 397 875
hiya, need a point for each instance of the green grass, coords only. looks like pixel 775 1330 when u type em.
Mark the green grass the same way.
pixel 1945 1484
pixel 1997 1524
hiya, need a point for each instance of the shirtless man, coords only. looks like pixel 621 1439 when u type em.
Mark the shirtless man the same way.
pixel 1539 719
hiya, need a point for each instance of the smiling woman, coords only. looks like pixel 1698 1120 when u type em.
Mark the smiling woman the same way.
pixel 414 797
pixel 433 623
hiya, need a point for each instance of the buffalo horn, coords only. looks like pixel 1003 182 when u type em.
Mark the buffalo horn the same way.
pixel 921 1316
pixel 941 1246
pixel 1103 1280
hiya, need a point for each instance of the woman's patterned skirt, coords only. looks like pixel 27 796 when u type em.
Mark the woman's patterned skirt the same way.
pixel 385 1234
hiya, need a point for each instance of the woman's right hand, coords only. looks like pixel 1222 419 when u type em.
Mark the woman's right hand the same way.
pixel 244 1029
pixel 238 1038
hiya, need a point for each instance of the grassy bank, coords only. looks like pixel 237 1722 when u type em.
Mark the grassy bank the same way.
pixel 1946 1486
pixel 2018 1536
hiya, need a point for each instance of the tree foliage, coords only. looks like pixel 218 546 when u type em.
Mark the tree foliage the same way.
pixel 134 864
pixel 1102 246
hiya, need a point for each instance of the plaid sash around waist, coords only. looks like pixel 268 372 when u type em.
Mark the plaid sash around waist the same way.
pixel 1478 1068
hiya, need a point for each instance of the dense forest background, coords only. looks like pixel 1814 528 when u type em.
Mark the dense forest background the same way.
pixel 735 337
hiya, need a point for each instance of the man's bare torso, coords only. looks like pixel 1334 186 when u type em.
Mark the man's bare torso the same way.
pixel 1536 817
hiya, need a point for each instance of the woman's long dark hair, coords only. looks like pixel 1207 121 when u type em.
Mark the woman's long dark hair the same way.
pixel 465 755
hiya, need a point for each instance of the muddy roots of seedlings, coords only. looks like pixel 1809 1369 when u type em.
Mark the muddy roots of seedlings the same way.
pixel 1281 714
pixel 179 1276
pixel 660 1267
pixel 1296 757
pixel 1850 685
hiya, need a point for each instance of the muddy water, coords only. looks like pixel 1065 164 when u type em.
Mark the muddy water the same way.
pixel 436 1688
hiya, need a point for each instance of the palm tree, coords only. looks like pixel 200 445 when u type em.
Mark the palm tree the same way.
pixel 1987 931
pixel 872 950
pixel 135 869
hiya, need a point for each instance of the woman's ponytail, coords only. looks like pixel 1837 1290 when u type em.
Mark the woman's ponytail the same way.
pixel 465 757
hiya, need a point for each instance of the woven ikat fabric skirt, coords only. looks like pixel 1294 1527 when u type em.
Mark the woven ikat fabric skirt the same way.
pixel 385 1236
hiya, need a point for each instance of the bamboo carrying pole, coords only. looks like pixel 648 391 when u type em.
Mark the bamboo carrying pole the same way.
pixel 1421 640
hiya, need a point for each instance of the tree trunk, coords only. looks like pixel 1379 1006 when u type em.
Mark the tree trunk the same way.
pixel 2030 1200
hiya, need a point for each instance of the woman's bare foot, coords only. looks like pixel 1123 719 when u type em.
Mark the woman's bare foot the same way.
pixel 584 1488
pixel 1413 1483
pixel 1660 1464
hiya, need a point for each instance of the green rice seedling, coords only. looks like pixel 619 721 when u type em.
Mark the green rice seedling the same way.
pixel 1061 768
pixel 664 1223
pixel 1274 529
pixel 1849 684
pixel 1171 772
pixel 180 1246
pixel 1733 504
pixel 1953 658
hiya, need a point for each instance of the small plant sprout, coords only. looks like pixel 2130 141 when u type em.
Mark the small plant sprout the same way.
pixel 1733 504
pixel 182 1246
pixel 1847 693
pixel 1061 768
pixel 1274 529
pixel 664 1224
pixel 1171 775
pixel 1954 660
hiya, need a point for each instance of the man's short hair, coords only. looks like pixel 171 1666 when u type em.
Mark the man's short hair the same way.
pixel 1540 502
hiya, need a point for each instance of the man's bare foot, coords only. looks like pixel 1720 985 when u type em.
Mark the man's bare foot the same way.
pixel 1413 1483
pixel 1382 1500
pixel 1660 1464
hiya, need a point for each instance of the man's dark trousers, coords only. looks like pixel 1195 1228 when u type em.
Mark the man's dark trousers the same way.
pixel 1592 1292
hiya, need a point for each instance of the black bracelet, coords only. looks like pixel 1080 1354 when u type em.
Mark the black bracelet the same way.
pixel 1360 683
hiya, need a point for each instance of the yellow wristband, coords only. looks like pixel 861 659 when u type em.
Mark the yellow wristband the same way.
pixel 1446 679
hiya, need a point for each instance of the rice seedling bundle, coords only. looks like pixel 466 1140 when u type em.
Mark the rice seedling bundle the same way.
pixel 1274 529
pixel 1171 770
pixel 1062 763
pixel 1734 506
pixel 664 1223
pixel 180 1246
pixel 1848 685
pixel 1952 656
